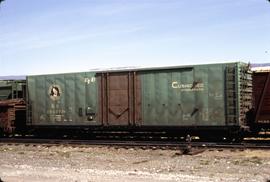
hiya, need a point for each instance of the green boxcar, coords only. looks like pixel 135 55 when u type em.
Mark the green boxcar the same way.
pixel 198 95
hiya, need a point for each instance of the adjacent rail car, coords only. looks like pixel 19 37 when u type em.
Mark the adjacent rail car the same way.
pixel 261 90
pixel 12 105
pixel 12 89
pixel 199 99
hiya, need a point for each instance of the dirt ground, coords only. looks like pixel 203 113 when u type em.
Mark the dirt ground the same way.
pixel 62 163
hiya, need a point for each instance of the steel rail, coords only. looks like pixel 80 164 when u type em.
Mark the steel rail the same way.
pixel 133 144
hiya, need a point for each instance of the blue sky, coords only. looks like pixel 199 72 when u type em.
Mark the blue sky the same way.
pixel 39 37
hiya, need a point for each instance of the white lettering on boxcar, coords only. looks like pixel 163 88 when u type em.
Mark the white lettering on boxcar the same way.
pixel 189 87
pixel 90 80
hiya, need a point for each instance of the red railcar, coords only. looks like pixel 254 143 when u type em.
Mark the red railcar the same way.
pixel 261 96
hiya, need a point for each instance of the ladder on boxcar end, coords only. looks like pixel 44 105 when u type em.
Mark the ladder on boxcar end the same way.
pixel 238 82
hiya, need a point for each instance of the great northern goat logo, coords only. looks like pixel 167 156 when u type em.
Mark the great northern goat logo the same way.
pixel 54 92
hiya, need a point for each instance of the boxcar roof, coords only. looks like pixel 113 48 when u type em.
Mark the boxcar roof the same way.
pixel 126 69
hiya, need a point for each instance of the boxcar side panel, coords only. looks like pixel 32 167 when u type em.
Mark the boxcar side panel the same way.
pixel 184 97
pixel 63 99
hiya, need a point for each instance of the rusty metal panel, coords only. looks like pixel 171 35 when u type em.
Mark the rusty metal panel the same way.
pixel 9 114
pixel 261 94
pixel 63 99
pixel 120 98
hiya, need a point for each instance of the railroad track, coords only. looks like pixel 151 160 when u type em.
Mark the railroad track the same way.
pixel 136 144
